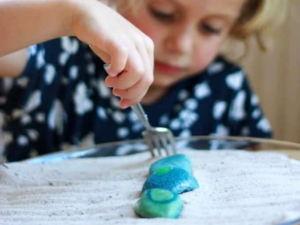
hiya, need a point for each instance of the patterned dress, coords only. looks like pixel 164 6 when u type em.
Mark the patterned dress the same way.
pixel 60 100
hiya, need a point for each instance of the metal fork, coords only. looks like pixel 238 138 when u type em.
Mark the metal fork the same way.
pixel 157 138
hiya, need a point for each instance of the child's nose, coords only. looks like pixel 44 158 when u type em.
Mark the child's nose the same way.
pixel 180 41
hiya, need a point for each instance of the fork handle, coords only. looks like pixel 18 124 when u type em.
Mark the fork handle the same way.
pixel 139 111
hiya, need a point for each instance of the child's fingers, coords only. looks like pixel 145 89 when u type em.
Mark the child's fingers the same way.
pixel 119 56
pixel 103 55
pixel 133 72
pixel 146 57
pixel 148 52
pixel 124 103
pixel 136 91
pixel 150 49
pixel 131 86
pixel 125 80
pixel 136 70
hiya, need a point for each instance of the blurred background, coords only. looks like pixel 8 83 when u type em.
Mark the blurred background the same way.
pixel 275 77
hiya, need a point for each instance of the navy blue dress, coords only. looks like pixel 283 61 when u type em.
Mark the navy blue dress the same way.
pixel 60 100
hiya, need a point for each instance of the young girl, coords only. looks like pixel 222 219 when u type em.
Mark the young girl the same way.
pixel 60 93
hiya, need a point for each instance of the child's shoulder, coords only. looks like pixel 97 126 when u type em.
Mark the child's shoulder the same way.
pixel 223 67
pixel 224 73
pixel 221 77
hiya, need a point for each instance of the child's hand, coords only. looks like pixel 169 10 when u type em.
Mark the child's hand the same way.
pixel 116 41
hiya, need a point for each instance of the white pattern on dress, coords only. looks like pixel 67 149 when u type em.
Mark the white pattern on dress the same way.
pixel 91 68
pixel 137 127
pixel 49 74
pixel 101 113
pixel 22 82
pixel 26 119
pixel 22 140
pixel 183 94
pixel 202 91
pixel 185 133
pixel 70 46
pixel 254 100
pixel 237 109
pixel 104 91
pixel 17 113
pixel 219 109
pixel 221 131
pixel 40 117
pixel 73 72
pixel 164 120
pixel 55 119
pixel 83 103
pixel 191 104
pixel 188 118
pixel 34 101
pixel 88 140
pixel 118 117
pixel 32 134
pixel 32 50
pixel 215 68
pixel 115 102
pixel 264 125
pixel 40 60
pixel 132 117
pixel 7 138
pixel 175 124
pixel 256 114
pixel 122 132
pixel 235 80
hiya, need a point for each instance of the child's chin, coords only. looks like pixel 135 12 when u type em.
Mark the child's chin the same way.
pixel 163 83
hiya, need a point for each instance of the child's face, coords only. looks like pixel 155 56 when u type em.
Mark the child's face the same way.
pixel 187 34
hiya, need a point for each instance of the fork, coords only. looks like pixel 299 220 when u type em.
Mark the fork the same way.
pixel 157 138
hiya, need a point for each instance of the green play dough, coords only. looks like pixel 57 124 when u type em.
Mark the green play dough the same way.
pixel 163 170
pixel 159 203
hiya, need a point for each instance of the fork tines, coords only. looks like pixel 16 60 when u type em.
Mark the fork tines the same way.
pixel 160 142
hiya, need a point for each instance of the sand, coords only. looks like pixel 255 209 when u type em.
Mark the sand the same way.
pixel 236 187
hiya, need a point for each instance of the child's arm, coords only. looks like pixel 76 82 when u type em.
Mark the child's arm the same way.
pixel 13 64
pixel 114 39
pixel 27 22
pixel 24 23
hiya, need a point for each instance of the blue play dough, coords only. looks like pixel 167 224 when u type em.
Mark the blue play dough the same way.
pixel 176 161
pixel 173 179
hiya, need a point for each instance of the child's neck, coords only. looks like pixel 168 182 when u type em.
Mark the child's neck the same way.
pixel 154 94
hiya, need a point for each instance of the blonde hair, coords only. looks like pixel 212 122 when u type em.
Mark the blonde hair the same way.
pixel 258 18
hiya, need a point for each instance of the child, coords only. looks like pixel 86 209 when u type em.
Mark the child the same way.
pixel 60 97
